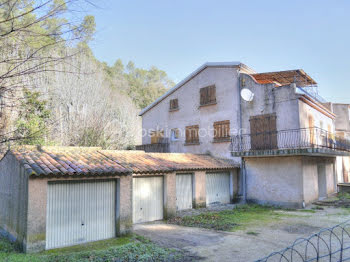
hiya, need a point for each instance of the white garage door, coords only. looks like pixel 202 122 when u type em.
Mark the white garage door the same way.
pixel 147 199
pixel 218 188
pixel 79 213
pixel 183 191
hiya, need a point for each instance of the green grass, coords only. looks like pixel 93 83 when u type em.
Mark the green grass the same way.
pixel 307 211
pixel 252 233
pixel 231 220
pixel 121 249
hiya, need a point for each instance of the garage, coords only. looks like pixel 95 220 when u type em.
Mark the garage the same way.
pixel 218 188
pixel 148 199
pixel 80 212
pixel 184 188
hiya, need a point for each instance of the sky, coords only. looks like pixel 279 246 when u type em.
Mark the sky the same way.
pixel 180 35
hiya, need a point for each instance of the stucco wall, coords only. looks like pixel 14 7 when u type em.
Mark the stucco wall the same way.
pixel 227 96
pixel 269 99
pixel 342 121
pixel 170 195
pixel 310 174
pixel 200 199
pixel 320 119
pixel 13 200
pixel 275 180
pixel 37 204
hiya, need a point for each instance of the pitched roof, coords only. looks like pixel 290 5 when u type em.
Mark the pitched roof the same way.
pixel 66 161
pixel 297 76
pixel 190 76
pixel 141 162
pixel 43 161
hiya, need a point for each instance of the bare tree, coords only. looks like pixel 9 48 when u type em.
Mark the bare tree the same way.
pixel 33 40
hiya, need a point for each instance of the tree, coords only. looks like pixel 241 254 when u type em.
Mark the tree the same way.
pixel 32 125
pixel 34 39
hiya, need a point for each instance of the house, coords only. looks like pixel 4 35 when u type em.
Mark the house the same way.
pixel 272 123
pixel 342 129
pixel 53 197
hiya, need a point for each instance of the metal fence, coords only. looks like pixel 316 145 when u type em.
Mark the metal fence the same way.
pixel 289 139
pixel 330 244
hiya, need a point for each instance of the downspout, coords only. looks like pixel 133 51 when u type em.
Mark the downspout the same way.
pixel 242 164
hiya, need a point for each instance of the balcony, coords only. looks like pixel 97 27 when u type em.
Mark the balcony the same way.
pixel 162 146
pixel 304 141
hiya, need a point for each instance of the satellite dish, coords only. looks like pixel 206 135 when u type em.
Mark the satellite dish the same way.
pixel 247 95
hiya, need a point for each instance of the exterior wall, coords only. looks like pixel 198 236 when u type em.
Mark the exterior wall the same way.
pixel 342 121
pixel 200 196
pixel 269 99
pixel 189 113
pixel 311 177
pixel 275 181
pixel 320 120
pixel 37 203
pixel 13 200
pixel 170 195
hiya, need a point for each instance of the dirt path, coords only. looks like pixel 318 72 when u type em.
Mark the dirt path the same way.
pixel 239 246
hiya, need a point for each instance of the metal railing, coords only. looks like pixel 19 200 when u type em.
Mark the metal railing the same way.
pixel 161 147
pixel 289 139
pixel 330 244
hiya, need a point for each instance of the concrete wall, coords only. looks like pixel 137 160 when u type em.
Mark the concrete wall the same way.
pixel 170 195
pixel 227 108
pixel 275 181
pixel 320 119
pixel 13 200
pixel 310 176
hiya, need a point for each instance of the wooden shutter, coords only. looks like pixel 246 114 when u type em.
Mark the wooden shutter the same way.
pixel 222 130
pixel 157 136
pixel 174 104
pixel 263 132
pixel 192 134
pixel 208 95
pixel 312 130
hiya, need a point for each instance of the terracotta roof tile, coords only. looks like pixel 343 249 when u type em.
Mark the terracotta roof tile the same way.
pixel 43 161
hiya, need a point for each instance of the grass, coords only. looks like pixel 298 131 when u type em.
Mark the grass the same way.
pixel 131 248
pixel 252 233
pixel 231 220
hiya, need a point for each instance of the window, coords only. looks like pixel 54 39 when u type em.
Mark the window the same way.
pixel 192 134
pixel 174 104
pixel 175 134
pixel 208 95
pixel 222 131
pixel 157 137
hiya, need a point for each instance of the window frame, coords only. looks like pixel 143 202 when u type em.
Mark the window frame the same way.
pixel 174 134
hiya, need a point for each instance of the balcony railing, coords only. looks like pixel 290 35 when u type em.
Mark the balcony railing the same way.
pixel 161 147
pixel 302 138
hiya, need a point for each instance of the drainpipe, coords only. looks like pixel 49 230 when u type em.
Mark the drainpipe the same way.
pixel 242 169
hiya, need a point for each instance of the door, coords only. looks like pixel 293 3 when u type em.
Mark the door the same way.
pixel 218 188
pixel 263 131
pixel 183 191
pixel 322 181
pixel 147 199
pixel 80 212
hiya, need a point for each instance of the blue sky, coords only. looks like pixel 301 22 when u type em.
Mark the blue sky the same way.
pixel 178 36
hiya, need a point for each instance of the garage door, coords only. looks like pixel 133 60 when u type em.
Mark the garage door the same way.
pixel 183 191
pixel 218 188
pixel 79 213
pixel 147 199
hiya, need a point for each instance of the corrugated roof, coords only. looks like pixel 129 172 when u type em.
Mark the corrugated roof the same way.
pixel 141 162
pixel 43 161
pixel 288 77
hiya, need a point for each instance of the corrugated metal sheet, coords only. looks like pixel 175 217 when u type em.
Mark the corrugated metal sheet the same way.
pixel 183 191
pixel 218 188
pixel 79 213
pixel 147 199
